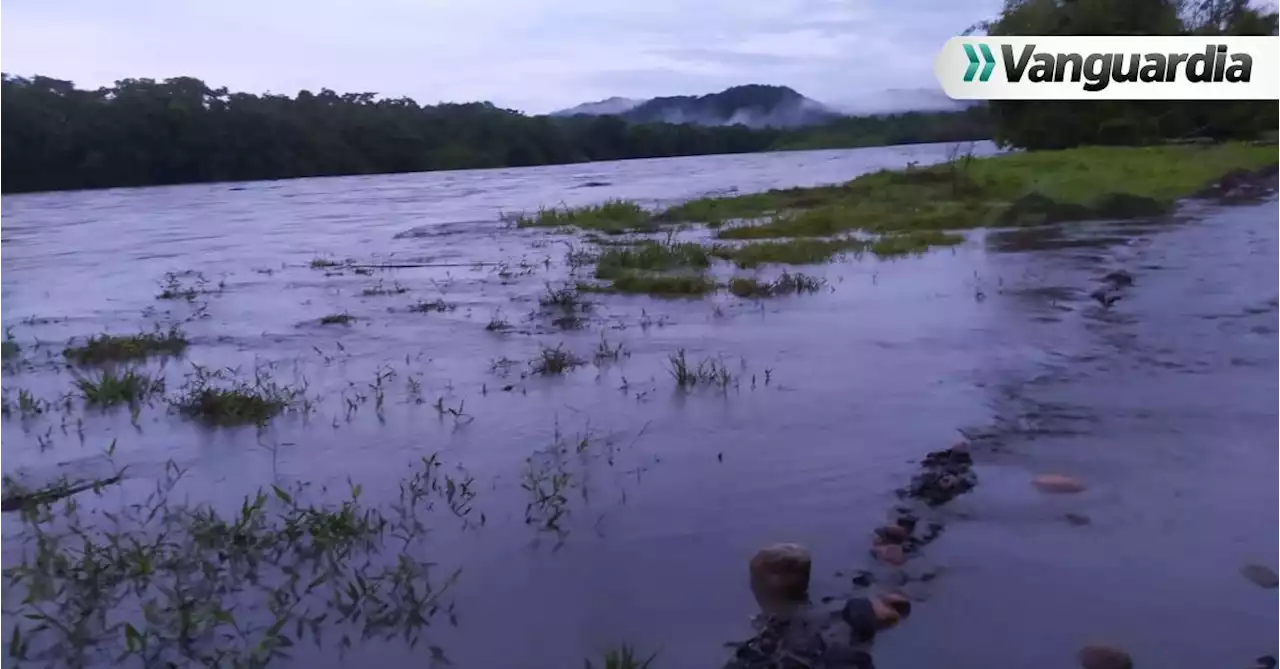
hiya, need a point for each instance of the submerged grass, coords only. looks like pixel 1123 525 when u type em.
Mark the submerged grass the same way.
pixel 110 389
pixel 613 217
pixel 173 583
pixel 624 657
pixel 912 243
pixel 337 319
pixel 707 372
pixel 653 257
pixel 432 306
pixel 9 347
pixel 1011 189
pixel 790 252
pixel 105 348
pixel 786 284
pixel 552 361
pixel 216 397
pixel 657 285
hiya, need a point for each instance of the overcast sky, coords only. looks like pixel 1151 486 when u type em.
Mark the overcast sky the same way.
pixel 533 55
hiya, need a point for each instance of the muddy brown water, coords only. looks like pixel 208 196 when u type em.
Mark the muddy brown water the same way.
pixel 1165 405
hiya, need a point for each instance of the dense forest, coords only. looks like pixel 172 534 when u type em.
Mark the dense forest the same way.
pixel 1055 125
pixel 143 132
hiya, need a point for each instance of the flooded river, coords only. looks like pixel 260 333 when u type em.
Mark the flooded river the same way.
pixel 1164 404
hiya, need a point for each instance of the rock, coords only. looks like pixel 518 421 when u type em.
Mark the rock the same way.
pixel 780 575
pixel 1077 519
pixel 863 579
pixel 1104 657
pixel 907 522
pixel 1057 483
pixel 1260 575
pixel 890 554
pixel 1265 662
pixel 1105 297
pixel 859 614
pixel 1119 278
pixel 781 641
pixel 900 605
pixel 844 656
pixel 891 534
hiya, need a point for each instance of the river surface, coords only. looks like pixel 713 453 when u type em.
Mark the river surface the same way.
pixel 1165 405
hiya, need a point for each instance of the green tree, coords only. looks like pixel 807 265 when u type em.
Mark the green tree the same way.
pixel 1062 124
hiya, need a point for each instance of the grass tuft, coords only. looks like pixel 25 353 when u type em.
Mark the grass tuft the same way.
pixel 786 284
pixel 109 348
pixel 497 323
pixel 109 389
pixel 9 347
pixel 217 398
pixel 337 319
pixel 429 306
pixel 624 657
pixel 380 288
pixel 564 297
pixel 555 361
pixel 707 372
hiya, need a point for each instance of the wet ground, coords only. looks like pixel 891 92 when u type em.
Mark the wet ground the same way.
pixel 1164 404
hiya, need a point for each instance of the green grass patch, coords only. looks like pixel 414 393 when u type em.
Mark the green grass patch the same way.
pixel 9 347
pixel 109 389
pixel 753 205
pixel 651 256
pixel 109 348
pixel 657 285
pixel 791 252
pixel 786 284
pixel 1027 188
pixel 912 243
pixel 218 398
pixel 614 217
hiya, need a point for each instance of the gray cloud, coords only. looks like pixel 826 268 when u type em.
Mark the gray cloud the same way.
pixel 534 55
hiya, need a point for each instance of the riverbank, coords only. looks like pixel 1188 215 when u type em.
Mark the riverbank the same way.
pixel 892 213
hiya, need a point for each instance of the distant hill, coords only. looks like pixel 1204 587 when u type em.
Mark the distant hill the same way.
pixel 611 106
pixel 754 106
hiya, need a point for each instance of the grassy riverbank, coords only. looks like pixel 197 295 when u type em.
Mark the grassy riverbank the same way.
pixel 1009 189
pixel 1006 190
pixel 893 213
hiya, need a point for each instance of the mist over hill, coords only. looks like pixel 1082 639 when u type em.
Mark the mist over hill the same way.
pixel 753 106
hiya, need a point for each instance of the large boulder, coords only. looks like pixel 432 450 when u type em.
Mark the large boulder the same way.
pixel 1104 657
pixel 780 575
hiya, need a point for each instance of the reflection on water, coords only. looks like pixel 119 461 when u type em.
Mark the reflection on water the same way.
pixel 620 510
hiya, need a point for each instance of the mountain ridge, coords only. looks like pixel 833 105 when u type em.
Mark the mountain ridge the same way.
pixel 751 105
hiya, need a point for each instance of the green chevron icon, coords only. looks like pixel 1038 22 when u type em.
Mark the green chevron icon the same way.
pixel 987 57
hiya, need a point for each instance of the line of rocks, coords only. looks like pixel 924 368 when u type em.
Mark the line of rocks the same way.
pixel 794 633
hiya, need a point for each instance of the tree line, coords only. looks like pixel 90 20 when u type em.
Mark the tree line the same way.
pixel 143 132
pixel 1063 124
